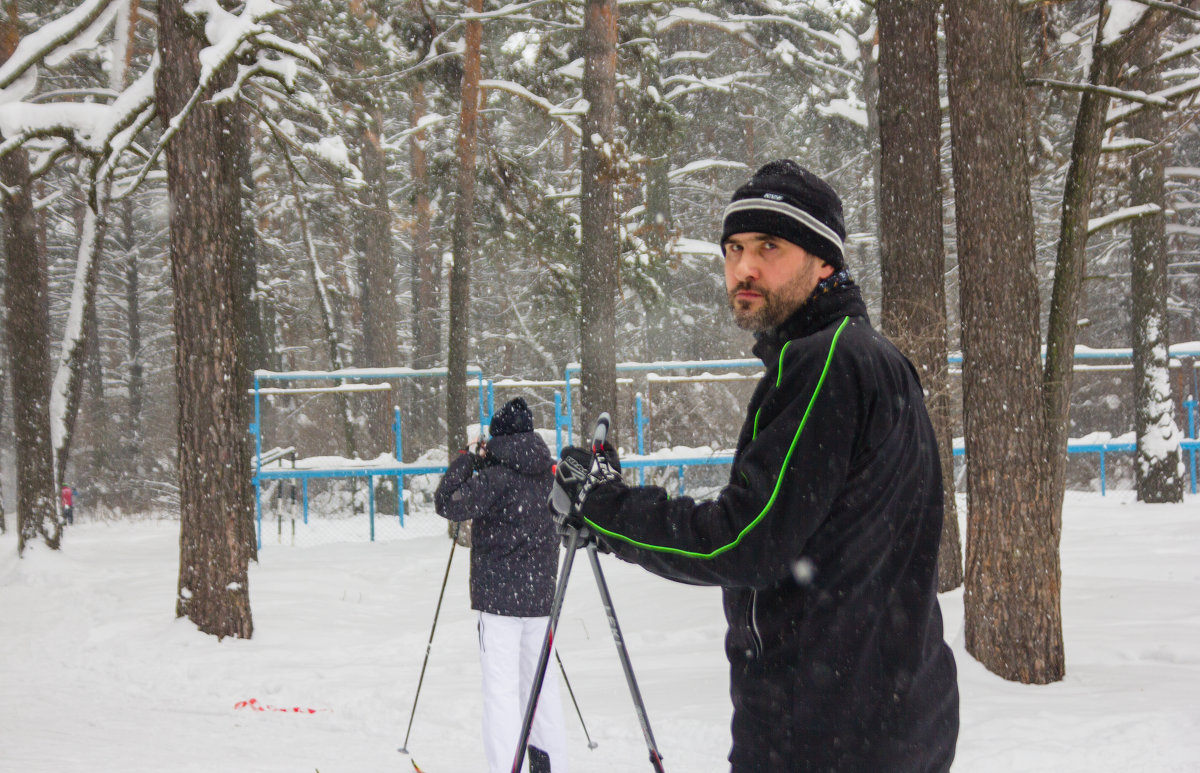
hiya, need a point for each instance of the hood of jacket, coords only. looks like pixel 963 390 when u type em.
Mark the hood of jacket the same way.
pixel 524 452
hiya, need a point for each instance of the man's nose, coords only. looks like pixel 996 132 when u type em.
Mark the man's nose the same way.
pixel 747 265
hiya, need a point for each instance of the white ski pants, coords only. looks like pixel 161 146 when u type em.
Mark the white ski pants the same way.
pixel 508 656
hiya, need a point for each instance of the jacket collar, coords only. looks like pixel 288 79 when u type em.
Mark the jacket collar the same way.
pixel 832 299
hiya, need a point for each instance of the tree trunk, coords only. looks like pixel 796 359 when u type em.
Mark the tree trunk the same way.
pixel 27 326
pixel 912 258
pixel 28 330
pixel 133 451
pixel 95 357
pixel 204 190
pixel 1159 466
pixel 380 314
pixel 256 344
pixel 133 345
pixel 1107 60
pixel 253 348
pixel 1070 266
pixel 599 247
pixel 463 240
pixel 426 285
pixel 378 286
pixel 652 133
pixel 426 269
pixel 1012 597
pixel 68 384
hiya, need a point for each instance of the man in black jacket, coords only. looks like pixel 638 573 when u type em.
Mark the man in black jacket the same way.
pixel 502 490
pixel 825 539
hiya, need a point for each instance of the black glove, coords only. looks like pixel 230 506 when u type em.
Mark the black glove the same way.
pixel 479 454
pixel 461 468
pixel 608 465
pixel 577 473
pixel 570 476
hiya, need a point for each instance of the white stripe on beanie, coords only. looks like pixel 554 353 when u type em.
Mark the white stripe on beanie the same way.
pixel 795 213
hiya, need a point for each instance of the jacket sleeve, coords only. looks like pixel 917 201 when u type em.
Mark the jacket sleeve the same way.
pixel 463 494
pixel 783 485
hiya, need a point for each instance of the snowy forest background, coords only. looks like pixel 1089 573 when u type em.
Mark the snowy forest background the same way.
pixel 194 191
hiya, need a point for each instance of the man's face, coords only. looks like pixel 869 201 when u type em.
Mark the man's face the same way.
pixel 768 278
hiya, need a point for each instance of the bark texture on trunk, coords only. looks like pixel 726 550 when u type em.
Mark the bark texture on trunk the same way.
pixel 1013 582
pixel 27 322
pixel 463 240
pixel 1159 467
pixel 380 313
pixel 912 258
pixel 204 190
pixel 27 327
pixel 599 246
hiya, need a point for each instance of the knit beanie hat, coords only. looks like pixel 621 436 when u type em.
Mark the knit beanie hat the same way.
pixel 786 200
pixel 512 418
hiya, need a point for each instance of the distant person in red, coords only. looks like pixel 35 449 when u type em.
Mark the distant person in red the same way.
pixel 68 500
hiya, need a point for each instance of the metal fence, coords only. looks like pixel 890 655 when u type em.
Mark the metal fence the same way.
pixel 302 501
pixel 315 510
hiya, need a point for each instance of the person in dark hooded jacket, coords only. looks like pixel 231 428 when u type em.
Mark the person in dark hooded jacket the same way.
pixel 502 490
pixel 825 540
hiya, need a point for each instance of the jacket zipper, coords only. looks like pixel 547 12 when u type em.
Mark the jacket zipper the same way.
pixel 755 636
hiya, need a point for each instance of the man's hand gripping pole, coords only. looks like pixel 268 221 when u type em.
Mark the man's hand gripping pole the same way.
pixel 575 475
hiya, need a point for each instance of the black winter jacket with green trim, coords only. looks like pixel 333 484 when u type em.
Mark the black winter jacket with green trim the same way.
pixel 825 542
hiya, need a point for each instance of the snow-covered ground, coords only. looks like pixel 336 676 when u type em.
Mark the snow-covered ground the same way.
pixel 97 675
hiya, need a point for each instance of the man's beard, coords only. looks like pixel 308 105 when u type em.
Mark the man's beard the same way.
pixel 776 307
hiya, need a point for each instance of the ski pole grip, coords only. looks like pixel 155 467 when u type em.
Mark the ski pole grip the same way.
pixel 600 434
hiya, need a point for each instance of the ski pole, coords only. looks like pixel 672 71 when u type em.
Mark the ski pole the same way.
pixel 591 744
pixel 573 540
pixel 638 704
pixel 539 675
pixel 429 647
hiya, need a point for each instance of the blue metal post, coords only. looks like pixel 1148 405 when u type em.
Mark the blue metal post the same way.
pixel 681 479
pixel 1102 475
pixel 641 447
pixel 1191 409
pixel 256 428
pixel 482 418
pixel 399 460
pixel 491 402
pixel 567 407
pixel 306 501
pixel 1195 384
pixel 258 509
pixel 371 503
pixel 558 421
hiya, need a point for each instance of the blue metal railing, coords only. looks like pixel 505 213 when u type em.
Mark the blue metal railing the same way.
pixel 642 462
pixel 563 420
pixel 365 470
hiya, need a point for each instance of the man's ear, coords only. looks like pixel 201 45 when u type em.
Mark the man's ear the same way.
pixel 825 271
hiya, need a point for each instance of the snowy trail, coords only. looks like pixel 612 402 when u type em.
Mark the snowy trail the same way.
pixel 98 676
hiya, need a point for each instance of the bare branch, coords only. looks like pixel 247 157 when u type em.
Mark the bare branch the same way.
pixel 1121 216
pixel 1129 96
